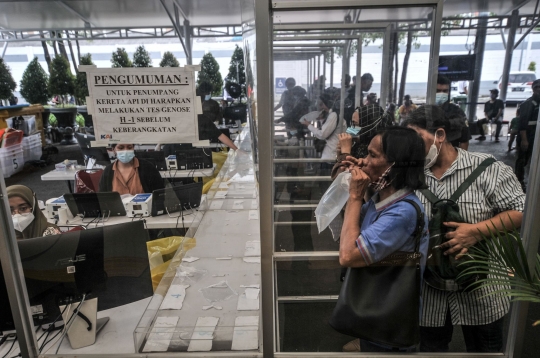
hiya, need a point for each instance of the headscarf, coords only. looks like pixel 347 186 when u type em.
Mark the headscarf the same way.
pixel 40 223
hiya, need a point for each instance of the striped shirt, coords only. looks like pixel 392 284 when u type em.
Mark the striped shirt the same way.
pixel 495 191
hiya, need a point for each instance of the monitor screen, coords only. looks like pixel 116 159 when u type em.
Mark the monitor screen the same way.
pixel 183 197
pixel 457 67
pixel 157 158
pixel 110 263
pixel 95 204
pixel 6 318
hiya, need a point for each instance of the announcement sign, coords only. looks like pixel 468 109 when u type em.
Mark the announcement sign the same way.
pixel 143 105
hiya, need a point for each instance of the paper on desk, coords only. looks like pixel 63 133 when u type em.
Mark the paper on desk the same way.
pixel 174 298
pixel 252 260
pixel 246 304
pixel 254 205
pixel 255 285
pixel 190 259
pixel 252 248
pixel 252 293
pixel 220 194
pixel 238 204
pixel 216 204
pixel 201 339
pixel 245 335
pixel 161 334
pixel 253 215
pixel 223 185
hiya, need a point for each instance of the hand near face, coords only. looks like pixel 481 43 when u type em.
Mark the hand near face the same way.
pixel 345 142
pixel 359 184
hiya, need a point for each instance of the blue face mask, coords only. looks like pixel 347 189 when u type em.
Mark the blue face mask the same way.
pixel 293 132
pixel 353 131
pixel 125 156
pixel 207 97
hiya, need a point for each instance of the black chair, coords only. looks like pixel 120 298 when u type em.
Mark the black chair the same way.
pixel 99 153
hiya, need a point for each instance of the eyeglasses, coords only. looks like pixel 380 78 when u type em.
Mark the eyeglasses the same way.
pixel 21 209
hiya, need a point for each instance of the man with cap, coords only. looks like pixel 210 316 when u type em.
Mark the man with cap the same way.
pixel 528 119
pixel 493 111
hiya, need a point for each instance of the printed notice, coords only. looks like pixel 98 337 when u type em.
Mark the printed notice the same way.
pixel 143 105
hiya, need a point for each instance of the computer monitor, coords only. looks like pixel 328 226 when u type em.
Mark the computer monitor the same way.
pixel 157 158
pixel 194 158
pixel 93 205
pixel 170 200
pixel 110 263
pixel 6 318
pixel 457 67
pixel 100 154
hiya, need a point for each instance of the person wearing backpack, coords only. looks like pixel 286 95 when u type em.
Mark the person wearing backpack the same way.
pixel 469 195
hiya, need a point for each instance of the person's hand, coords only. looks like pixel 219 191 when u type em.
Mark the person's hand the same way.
pixel 304 122
pixel 345 142
pixel 463 237
pixel 524 145
pixel 356 118
pixel 359 184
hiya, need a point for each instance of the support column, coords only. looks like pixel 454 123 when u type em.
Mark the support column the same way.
pixel 332 68
pixel 358 89
pixel 514 20
pixel 318 66
pixel 324 67
pixel 4 48
pixel 385 66
pixel 480 44
pixel 189 42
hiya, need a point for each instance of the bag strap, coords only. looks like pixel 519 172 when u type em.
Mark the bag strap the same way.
pixel 337 122
pixel 420 223
pixel 472 177
pixel 464 186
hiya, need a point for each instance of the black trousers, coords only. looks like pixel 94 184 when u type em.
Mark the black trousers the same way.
pixel 486 338
pixel 523 158
pixel 481 122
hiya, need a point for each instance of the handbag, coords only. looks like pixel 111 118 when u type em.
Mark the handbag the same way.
pixel 380 303
pixel 319 144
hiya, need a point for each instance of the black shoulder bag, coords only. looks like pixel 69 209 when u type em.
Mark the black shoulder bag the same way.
pixel 442 270
pixel 381 302
pixel 321 143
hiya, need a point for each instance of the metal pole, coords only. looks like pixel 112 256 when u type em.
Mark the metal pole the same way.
pixel 4 48
pixel 508 56
pixel 480 44
pixel 264 78
pixel 332 69
pixel 434 52
pixel 13 275
pixel 358 88
pixel 319 66
pixel 530 233
pixel 385 65
pixel 345 61
pixel 189 47
pixel 324 66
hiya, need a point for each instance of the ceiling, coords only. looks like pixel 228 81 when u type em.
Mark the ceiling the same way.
pixel 49 14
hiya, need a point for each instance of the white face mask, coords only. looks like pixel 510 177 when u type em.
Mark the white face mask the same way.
pixel 207 97
pixel 441 98
pixel 431 157
pixel 21 221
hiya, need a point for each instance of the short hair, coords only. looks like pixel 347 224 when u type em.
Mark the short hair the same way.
pixel 367 76
pixel 290 82
pixel 442 80
pixel 327 100
pixel 407 97
pixel 405 148
pixel 432 117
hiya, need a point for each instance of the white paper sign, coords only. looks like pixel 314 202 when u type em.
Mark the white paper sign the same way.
pixel 143 105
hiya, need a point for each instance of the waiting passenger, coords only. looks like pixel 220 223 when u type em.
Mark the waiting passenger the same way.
pixel 28 220
pixel 494 112
pixel 128 174
pixel 406 109
pixel 386 223
pixel 494 201
pixel 442 99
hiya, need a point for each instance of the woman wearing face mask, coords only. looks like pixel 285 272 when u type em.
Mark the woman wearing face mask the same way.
pixel 28 220
pixel 393 168
pixel 128 174
pixel 494 201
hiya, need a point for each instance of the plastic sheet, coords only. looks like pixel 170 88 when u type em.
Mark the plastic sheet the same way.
pixel 333 200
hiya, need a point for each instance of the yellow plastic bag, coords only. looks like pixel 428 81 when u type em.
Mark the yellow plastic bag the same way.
pixel 162 251
pixel 208 185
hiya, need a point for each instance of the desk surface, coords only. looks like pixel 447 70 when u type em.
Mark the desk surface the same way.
pixel 70 174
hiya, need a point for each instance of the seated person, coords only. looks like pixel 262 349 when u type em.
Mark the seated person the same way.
pixel 130 175
pixel 28 220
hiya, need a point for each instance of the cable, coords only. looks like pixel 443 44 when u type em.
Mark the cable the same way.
pixel 67 325
pixel 11 347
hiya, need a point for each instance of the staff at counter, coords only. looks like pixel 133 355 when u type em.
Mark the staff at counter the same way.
pixel 128 174
pixel 28 220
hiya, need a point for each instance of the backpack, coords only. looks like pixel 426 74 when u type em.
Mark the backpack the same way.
pixel 441 270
